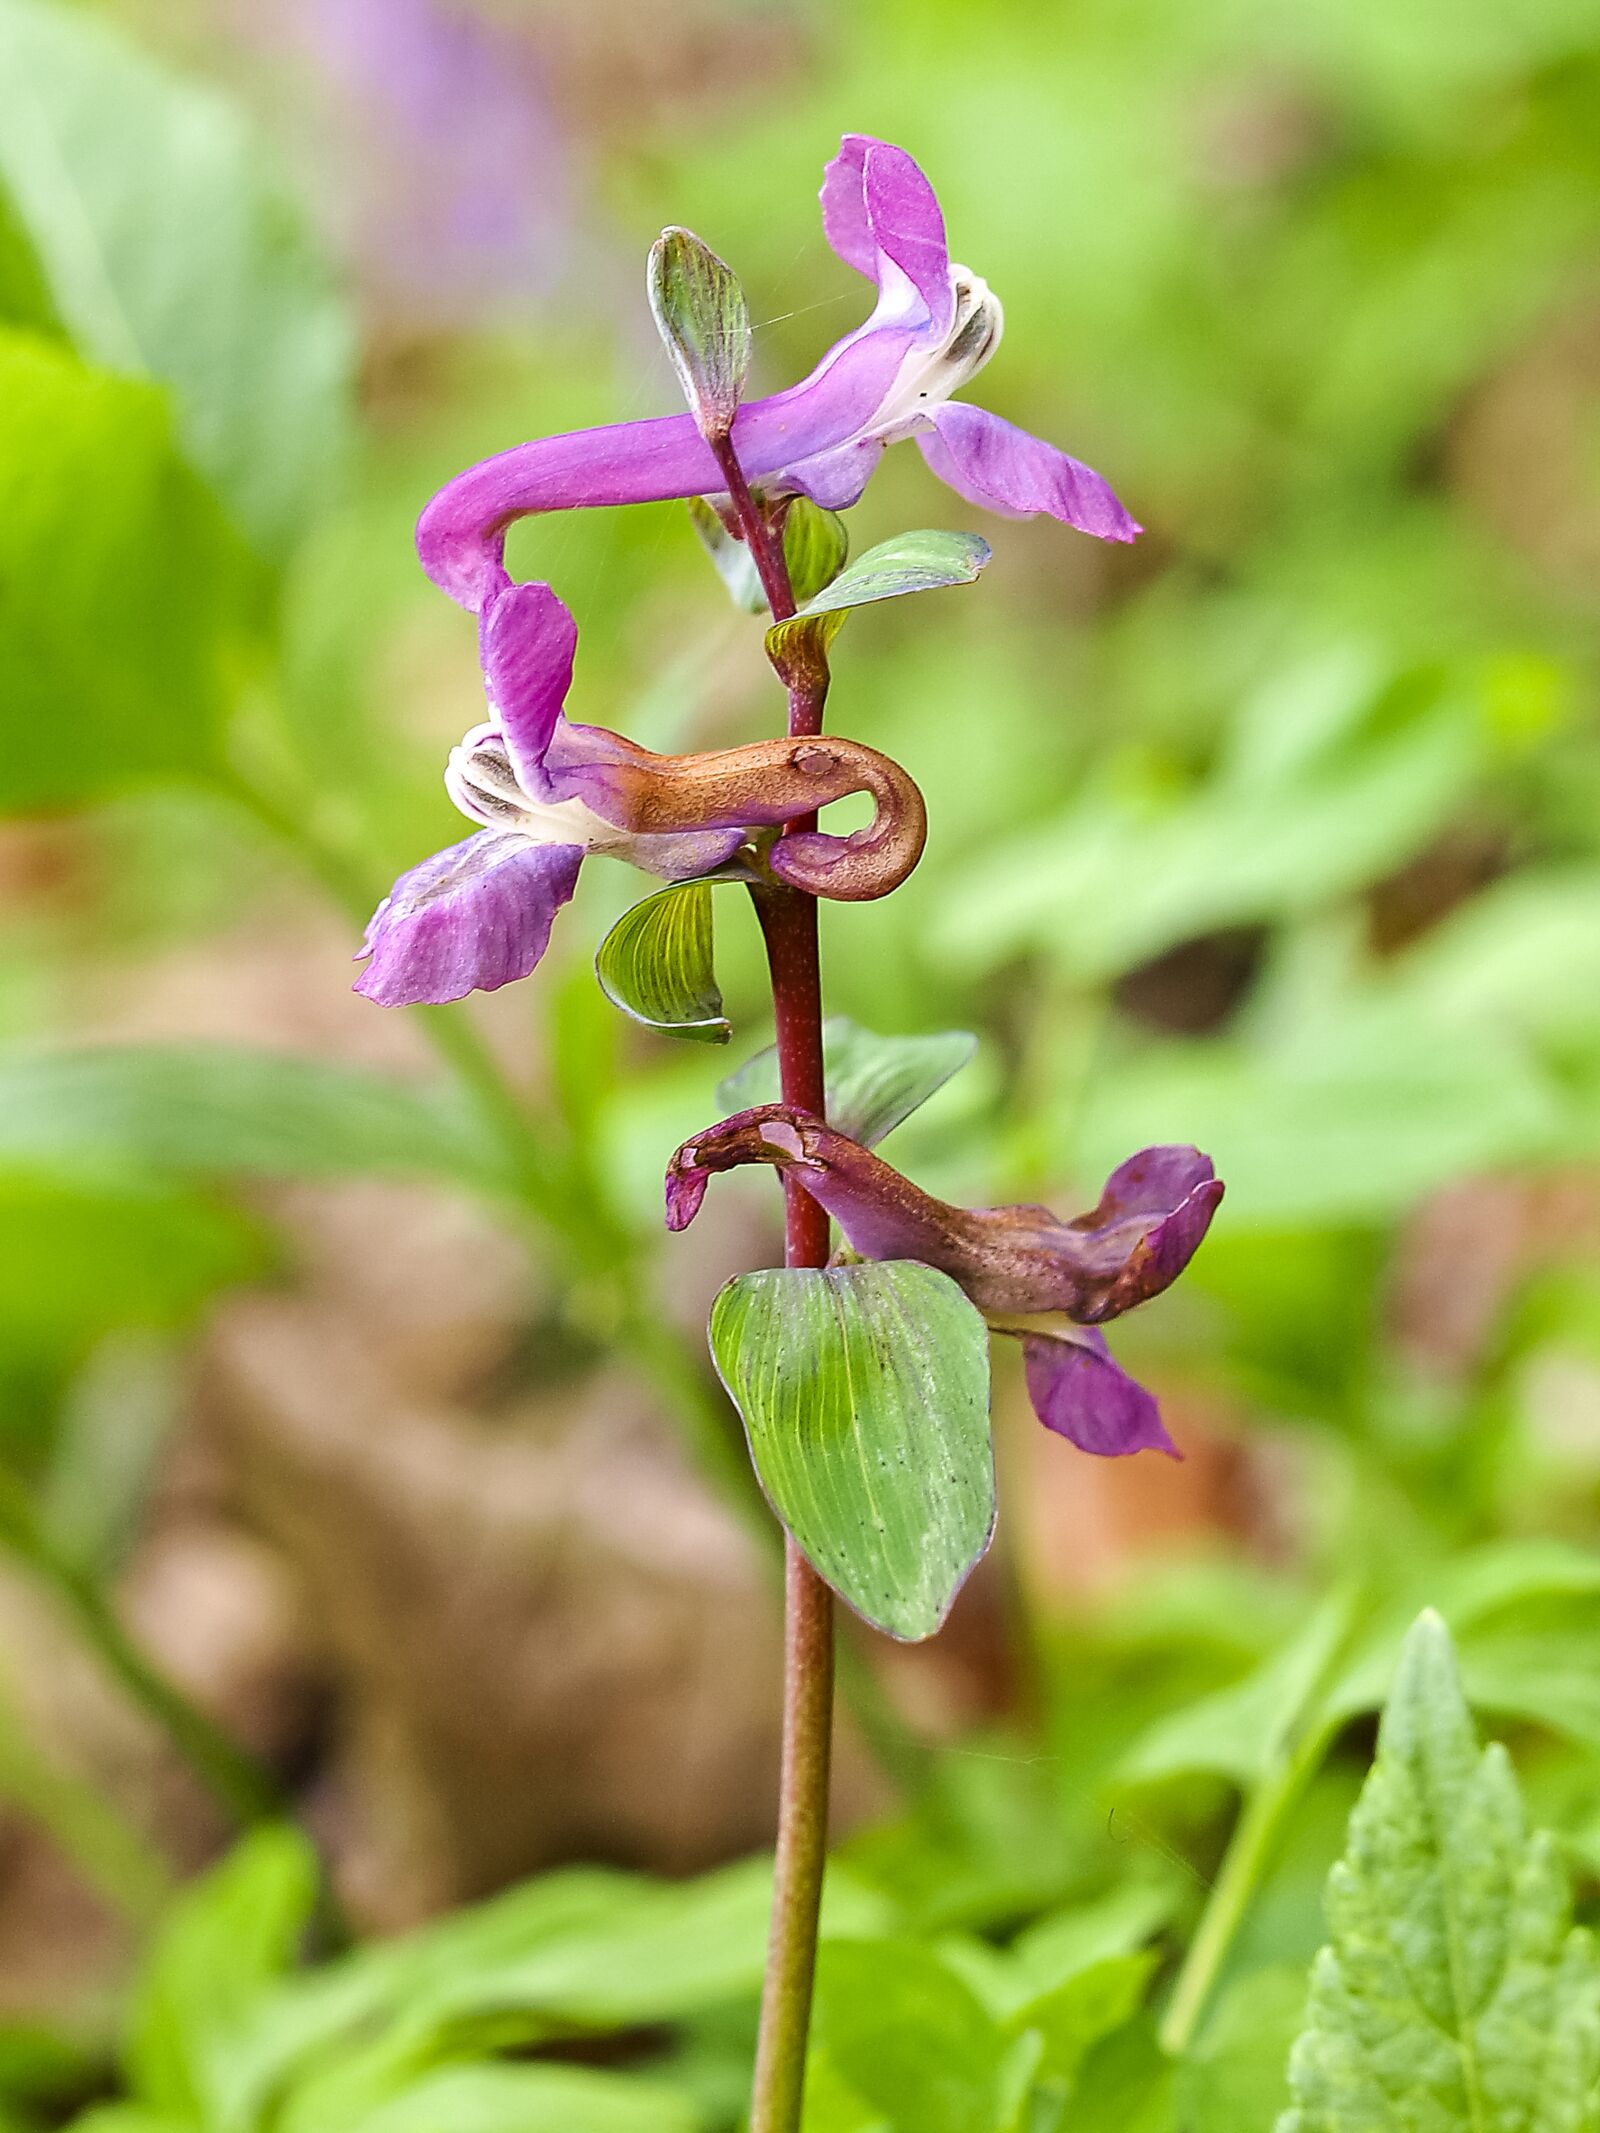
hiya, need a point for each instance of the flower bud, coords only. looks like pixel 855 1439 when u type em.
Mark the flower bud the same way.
pixel 701 315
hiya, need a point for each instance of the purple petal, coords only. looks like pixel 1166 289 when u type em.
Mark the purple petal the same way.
pixel 881 216
pixel 993 463
pixel 527 640
pixel 470 919
pixel 461 533
pixel 1079 1392
pixel 1012 1261
pixel 844 206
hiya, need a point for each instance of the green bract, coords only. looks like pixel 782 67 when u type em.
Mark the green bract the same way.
pixel 865 1397
pixel 701 316
pixel 655 964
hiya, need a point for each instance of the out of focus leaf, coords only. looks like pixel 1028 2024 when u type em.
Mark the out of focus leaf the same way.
pixel 1075 2015
pixel 498 2099
pixel 171 252
pixel 229 1939
pixel 1353 1122
pixel 127 603
pixel 873 1083
pixel 81 1258
pixel 586 1949
pixel 221 1110
pixel 1454 1991
pixel 909 2038
pixel 1234 2080
pixel 1334 775
pixel 865 1396
pixel 656 965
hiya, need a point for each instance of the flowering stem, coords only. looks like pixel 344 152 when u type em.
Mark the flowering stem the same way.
pixel 789 928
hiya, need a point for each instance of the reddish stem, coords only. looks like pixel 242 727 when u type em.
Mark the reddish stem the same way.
pixel 789 927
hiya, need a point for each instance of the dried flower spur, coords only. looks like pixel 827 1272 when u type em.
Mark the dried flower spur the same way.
pixel 548 792
pixel 932 330
pixel 1048 1282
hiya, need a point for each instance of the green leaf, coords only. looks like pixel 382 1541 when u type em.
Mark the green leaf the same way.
pixel 704 323
pixel 656 965
pixel 1076 2014
pixel 815 545
pixel 223 1109
pixel 865 1396
pixel 1233 2080
pixel 873 1083
pixel 1454 1991
pixel 227 1942
pixel 927 561
pixel 909 563
pixel 127 602
pixel 735 564
pixel 170 252
pixel 496 2099
pixel 908 2037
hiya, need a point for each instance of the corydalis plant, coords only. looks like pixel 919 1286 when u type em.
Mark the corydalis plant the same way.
pixel 863 1382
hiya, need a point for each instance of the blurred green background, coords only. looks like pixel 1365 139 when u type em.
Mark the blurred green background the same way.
pixel 343 1369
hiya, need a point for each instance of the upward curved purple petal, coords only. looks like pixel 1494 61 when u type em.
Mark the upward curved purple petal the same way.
pixel 882 217
pixel 527 641
pixel 461 533
pixel 844 206
pixel 470 919
pixel 995 464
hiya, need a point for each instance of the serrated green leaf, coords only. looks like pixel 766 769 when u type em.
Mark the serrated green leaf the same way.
pixel 223 1109
pixel 865 1396
pixel 127 601
pixel 1453 1992
pixel 656 964
pixel 704 324
pixel 873 1083
pixel 169 251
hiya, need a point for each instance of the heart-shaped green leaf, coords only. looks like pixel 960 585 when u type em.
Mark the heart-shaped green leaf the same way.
pixel 865 1396
pixel 656 964
pixel 873 1082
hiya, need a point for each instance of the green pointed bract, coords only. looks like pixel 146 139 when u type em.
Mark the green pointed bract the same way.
pixel 656 964
pixel 865 1396
pixel 1454 1991
pixel 873 1083
pixel 701 315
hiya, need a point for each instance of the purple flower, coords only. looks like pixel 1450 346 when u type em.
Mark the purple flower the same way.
pixel 933 328
pixel 1049 1283
pixel 547 792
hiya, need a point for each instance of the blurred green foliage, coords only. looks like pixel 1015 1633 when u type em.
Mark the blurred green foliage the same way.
pixel 1279 833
